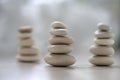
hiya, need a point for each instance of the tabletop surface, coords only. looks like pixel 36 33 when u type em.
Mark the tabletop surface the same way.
pixel 11 69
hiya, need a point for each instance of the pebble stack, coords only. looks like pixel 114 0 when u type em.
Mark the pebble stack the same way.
pixel 28 51
pixel 102 49
pixel 60 46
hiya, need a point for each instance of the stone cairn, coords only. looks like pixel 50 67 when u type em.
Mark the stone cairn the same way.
pixel 60 46
pixel 28 52
pixel 102 49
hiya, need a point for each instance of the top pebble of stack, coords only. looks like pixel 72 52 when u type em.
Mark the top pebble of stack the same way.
pixel 58 25
pixel 103 27
pixel 25 29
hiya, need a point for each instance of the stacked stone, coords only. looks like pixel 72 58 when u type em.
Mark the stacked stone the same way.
pixel 102 49
pixel 28 52
pixel 60 46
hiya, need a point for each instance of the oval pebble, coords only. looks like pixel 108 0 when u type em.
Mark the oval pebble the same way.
pixel 103 35
pixel 58 25
pixel 60 49
pixel 59 60
pixel 106 42
pixel 101 50
pixel 26 42
pixel 61 40
pixel 104 27
pixel 25 29
pixel 102 60
pixel 28 51
pixel 59 32
pixel 25 35
pixel 28 58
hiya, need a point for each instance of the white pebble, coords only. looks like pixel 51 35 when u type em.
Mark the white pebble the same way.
pixel 106 42
pixel 26 42
pixel 28 58
pixel 60 49
pixel 25 35
pixel 102 60
pixel 29 51
pixel 101 50
pixel 59 60
pixel 102 35
pixel 58 25
pixel 59 32
pixel 102 26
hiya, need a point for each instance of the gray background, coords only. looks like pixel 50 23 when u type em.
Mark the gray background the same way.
pixel 81 16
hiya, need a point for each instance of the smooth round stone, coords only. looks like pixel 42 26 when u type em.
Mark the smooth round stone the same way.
pixel 28 58
pixel 61 40
pixel 104 27
pixel 60 49
pixel 28 51
pixel 25 35
pixel 101 50
pixel 106 42
pixel 58 25
pixel 59 32
pixel 102 60
pixel 59 60
pixel 103 35
pixel 26 42
pixel 25 29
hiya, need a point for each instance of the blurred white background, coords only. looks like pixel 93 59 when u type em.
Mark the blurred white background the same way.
pixel 81 16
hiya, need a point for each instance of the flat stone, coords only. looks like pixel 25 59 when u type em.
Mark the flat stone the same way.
pixel 101 50
pixel 25 29
pixel 58 25
pixel 57 49
pixel 61 40
pixel 59 32
pixel 59 60
pixel 29 51
pixel 104 27
pixel 25 35
pixel 26 42
pixel 102 60
pixel 106 42
pixel 28 58
pixel 103 35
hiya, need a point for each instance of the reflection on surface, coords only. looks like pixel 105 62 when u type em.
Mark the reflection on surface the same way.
pixel 58 73
pixel 12 70
pixel 105 73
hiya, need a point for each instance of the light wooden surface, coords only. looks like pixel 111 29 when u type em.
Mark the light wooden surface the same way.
pixel 10 69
